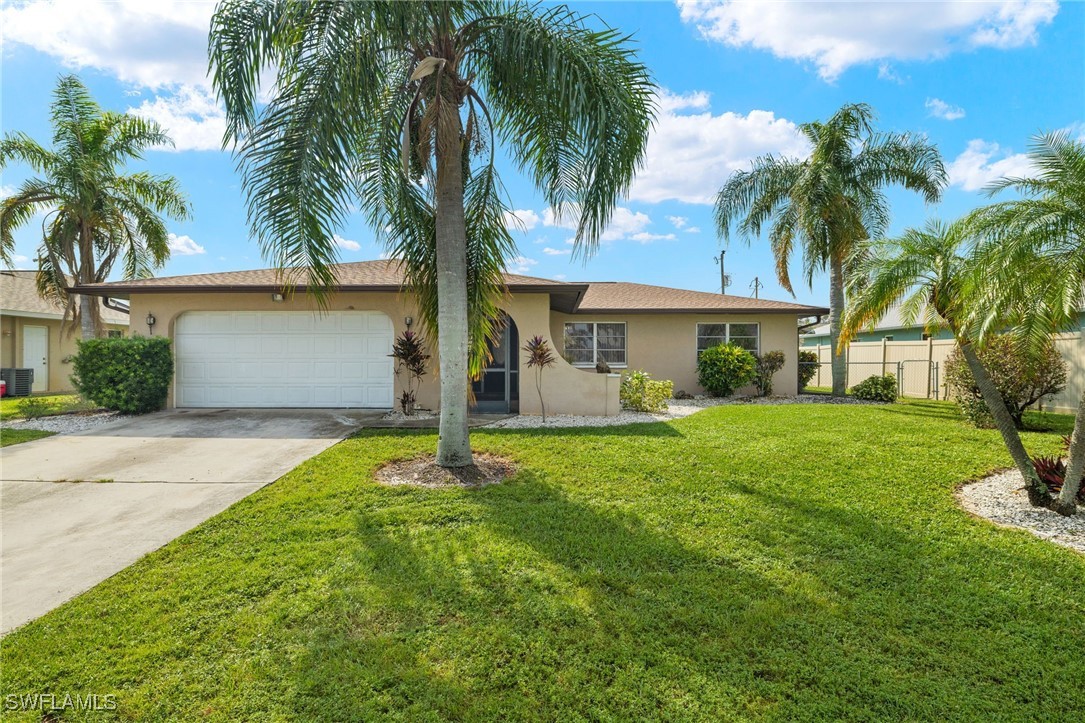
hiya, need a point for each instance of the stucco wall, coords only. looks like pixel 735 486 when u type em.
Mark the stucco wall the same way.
pixel 61 346
pixel 567 390
pixel 665 345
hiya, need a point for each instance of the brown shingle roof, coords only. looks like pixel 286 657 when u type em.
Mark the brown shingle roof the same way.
pixel 19 294
pixel 360 275
pixel 623 296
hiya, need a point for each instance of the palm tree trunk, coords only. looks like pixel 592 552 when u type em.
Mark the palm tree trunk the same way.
pixel 1075 468
pixel 836 311
pixel 1037 490
pixel 86 317
pixel 453 442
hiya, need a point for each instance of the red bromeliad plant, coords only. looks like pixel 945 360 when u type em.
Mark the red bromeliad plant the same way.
pixel 409 351
pixel 1052 472
pixel 539 356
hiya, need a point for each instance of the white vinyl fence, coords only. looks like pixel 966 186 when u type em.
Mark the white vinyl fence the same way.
pixel 920 367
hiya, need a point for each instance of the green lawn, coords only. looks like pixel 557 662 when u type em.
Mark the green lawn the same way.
pixel 57 404
pixel 749 562
pixel 9 437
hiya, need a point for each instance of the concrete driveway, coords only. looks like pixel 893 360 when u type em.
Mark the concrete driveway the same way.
pixel 78 508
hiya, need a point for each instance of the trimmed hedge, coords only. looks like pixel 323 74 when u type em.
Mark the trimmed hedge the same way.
pixel 876 388
pixel 129 374
pixel 724 368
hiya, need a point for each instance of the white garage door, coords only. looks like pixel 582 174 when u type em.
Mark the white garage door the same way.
pixel 284 359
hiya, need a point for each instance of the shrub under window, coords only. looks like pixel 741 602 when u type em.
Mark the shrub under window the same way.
pixel 639 392
pixel 724 368
pixel 130 375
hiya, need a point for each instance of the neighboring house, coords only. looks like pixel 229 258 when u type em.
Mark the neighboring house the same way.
pixel 891 327
pixel 31 333
pixel 241 340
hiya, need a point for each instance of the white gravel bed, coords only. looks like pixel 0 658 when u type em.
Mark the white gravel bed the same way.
pixel 397 416
pixel 676 409
pixel 67 423
pixel 1001 498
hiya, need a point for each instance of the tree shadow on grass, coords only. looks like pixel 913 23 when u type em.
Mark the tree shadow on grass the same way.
pixel 522 601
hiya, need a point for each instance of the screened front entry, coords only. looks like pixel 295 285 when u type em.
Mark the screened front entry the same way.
pixel 498 390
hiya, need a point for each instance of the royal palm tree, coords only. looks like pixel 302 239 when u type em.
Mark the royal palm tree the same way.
pixel 94 214
pixel 399 106
pixel 1032 253
pixel 928 272
pixel 831 204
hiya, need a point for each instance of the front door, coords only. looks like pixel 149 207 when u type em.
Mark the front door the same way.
pixel 497 391
pixel 36 355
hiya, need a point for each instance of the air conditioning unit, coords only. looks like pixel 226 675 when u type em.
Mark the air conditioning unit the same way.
pixel 20 381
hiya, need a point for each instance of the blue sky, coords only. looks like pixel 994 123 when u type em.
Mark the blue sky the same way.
pixel 978 78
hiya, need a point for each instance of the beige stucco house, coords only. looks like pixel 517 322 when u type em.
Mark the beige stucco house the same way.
pixel 33 335
pixel 241 340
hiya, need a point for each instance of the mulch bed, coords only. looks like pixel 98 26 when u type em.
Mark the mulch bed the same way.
pixel 423 471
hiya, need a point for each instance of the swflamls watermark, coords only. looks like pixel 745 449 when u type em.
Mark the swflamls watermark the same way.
pixel 56 701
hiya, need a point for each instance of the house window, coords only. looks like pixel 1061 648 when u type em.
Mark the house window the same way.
pixel 115 333
pixel 745 335
pixel 587 343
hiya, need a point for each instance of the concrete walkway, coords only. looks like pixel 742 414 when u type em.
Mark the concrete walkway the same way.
pixel 78 508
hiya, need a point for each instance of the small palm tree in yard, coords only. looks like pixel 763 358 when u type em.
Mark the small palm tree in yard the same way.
pixel 539 357
pixel 1032 254
pixel 399 106
pixel 928 272
pixel 95 215
pixel 832 203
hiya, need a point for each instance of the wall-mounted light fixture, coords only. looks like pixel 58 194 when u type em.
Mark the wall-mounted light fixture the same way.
pixel 277 298
pixel 408 320
pixel 150 323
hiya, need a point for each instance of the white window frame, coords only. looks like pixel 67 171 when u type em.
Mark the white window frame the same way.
pixel 697 335
pixel 595 344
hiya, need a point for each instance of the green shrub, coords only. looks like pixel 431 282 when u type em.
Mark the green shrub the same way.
pixel 127 374
pixel 767 365
pixel 876 388
pixel 808 361
pixel 724 368
pixel 34 408
pixel 639 392
pixel 1020 377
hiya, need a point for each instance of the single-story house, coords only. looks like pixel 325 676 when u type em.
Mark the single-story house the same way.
pixel 33 336
pixel 241 340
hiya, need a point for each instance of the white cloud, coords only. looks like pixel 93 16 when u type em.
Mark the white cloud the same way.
pixel 647 238
pixel 556 252
pixel 678 221
pixel 520 264
pixel 184 246
pixel 623 223
pixel 521 219
pixel 886 72
pixel 150 44
pixel 689 156
pixel 345 243
pixel 20 259
pixel 559 277
pixel 693 229
pixel 836 36
pixel 191 117
pixel 982 163
pixel 938 108
pixel 386 255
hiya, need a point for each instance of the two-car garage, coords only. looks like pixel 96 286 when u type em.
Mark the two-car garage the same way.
pixel 284 359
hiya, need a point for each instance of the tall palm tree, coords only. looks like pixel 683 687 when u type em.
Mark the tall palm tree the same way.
pixel 1033 254
pixel 94 214
pixel 832 203
pixel 928 271
pixel 400 105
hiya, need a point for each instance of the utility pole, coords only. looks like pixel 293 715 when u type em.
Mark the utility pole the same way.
pixel 725 280
pixel 756 286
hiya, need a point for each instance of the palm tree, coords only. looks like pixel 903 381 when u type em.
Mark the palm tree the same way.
pixel 400 105
pixel 95 215
pixel 928 272
pixel 831 203
pixel 1033 254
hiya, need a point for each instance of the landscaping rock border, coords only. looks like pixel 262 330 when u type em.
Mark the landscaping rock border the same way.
pixel 67 423
pixel 1001 498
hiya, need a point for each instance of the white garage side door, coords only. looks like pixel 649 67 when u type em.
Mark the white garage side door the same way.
pixel 284 359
